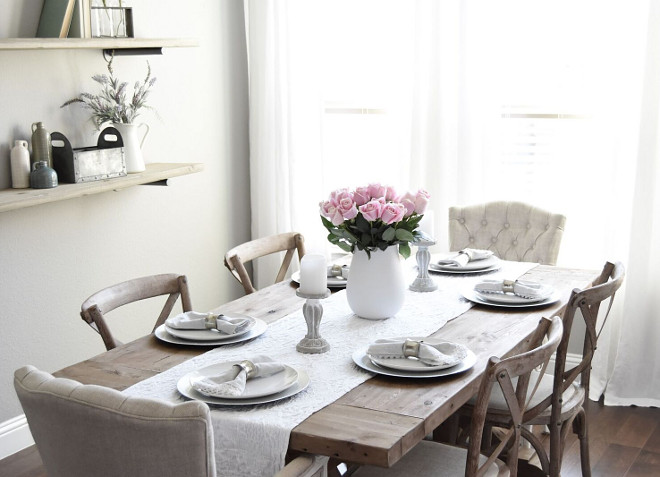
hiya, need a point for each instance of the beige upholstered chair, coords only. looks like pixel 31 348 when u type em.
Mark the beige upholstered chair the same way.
pixel 237 257
pixel 558 402
pixel 512 230
pixel 434 458
pixel 84 430
pixel 93 309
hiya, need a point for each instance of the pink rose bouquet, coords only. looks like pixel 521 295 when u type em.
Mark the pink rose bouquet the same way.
pixel 373 218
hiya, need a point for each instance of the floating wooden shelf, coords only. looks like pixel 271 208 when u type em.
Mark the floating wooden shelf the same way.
pixel 11 199
pixel 95 43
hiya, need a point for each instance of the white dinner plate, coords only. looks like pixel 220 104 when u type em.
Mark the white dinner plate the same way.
pixel 257 330
pixel 333 282
pixel 254 387
pixel 211 334
pixel 361 358
pixel 475 297
pixel 415 365
pixel 186 389
pixel 473 266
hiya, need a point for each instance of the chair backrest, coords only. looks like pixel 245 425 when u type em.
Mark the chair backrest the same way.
pixel 237 257
pixel 504 372
pixel 93 309
pixel 85 430
pixel 512 230
pixel 588 301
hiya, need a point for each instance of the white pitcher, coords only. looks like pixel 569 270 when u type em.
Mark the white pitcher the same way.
pixel 132 146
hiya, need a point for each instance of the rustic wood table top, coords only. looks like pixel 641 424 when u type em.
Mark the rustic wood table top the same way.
pixel 380 420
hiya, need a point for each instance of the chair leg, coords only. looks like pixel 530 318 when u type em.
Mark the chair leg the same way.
pixel 538 448
pixel 580 427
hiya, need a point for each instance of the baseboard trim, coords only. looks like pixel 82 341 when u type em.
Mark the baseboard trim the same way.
pixel 14 436
pixel 572 359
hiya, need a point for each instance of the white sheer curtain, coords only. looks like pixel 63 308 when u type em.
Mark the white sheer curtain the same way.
pixel 285 108
pixel 473 100
pixel 636 355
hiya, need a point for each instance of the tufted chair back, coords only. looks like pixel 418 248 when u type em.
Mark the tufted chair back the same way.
pixel 512 230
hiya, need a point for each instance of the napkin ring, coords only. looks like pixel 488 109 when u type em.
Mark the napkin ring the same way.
pixel 211 321
pixel 410 348
pixel 247 366
pixel 334 271
pixel 507 286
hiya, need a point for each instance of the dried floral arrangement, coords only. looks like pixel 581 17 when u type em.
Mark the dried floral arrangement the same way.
pixel 112 104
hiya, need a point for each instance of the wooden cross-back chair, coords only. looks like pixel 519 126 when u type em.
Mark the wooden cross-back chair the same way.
pixel 237 257
pixel 559 401
pixel 93 309
pixel 440 460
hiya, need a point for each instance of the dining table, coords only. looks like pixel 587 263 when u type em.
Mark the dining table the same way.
pixel 380 419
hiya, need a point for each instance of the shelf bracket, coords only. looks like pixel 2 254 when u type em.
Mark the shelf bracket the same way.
pixel 108 52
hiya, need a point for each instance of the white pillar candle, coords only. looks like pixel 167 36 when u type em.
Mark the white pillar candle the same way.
pixel 426 225
pixel 313 275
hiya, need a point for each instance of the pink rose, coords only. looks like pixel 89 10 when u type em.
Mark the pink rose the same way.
pixel 371 210
pixel 361 196
pixel 337 195
pixel 391 195
pixel 421 201
pixel 408 201
pixel 331 212
pixel 376 190
pixel 347 208
pixel 392 212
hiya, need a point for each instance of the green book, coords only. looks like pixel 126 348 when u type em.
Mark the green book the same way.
pixel 55 18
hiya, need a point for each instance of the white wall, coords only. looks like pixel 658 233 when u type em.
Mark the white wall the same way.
pixel 54 256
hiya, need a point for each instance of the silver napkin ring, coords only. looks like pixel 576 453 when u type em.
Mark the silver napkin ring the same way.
pixel 410 348
pixel 335 271
pixel 211 320
pixel 247 366
pixel 507 286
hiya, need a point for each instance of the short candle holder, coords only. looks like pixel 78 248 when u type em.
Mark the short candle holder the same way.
pixel 423 282
pixel 313 311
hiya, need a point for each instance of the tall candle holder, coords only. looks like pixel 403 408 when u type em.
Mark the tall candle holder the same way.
pixel 313 311
pixel 423 282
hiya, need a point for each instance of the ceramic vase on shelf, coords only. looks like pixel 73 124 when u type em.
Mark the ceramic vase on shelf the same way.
pixel 376 286
pixel 20 165
pixel 132 145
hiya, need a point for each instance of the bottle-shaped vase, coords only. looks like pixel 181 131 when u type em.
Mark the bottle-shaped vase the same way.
pixel 42 176
pixel 42 149
pixel 20 165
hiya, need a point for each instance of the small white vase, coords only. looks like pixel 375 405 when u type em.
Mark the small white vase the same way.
pixel 376 287
pixel 132 145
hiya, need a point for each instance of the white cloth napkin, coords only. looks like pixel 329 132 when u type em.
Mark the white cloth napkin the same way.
pixel 338 271
pixel 434 355
pixel 524 289
pixel 465 256
pixel 232 382
pixel 192 320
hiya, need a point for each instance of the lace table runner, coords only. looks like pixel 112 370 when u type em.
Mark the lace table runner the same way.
pixel 252 440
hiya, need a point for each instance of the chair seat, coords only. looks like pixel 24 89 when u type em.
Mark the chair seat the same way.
pixel 432 458
pixel 572 398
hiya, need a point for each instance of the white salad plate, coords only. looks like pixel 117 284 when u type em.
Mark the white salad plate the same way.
pixel 415 365
pixel 333 282
pixel 361 359
pixel 211 334
pixel 510 298
pixel 475 266
pixel 258 329
pixel 475 297
pixel 254 387
pixel 185 388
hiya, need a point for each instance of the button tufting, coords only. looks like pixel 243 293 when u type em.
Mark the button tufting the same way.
pixel 506 225
pixel 484 222
pixel 494 239
pixel 529 226
pixel 462 221
pixel 471 239
pixel 515 242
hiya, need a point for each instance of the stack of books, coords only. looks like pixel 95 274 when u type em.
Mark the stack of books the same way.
pixel 65 18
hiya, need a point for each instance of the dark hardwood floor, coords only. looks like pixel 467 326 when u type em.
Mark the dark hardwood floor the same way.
pixel 624 442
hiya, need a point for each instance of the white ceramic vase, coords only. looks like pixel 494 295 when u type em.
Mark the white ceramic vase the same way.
pixel 132 145
pixel 376 286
